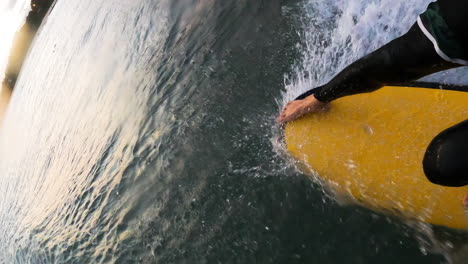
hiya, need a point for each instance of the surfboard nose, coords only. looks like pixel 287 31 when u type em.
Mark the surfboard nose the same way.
pixel 370 147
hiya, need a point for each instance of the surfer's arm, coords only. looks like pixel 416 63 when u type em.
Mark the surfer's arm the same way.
pixel 407 58
pixel 404 59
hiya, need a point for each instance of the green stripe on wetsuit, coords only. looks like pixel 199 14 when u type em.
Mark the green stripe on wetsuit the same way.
pixel 446 41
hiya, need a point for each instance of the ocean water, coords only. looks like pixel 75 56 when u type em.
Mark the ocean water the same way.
pixel 143 132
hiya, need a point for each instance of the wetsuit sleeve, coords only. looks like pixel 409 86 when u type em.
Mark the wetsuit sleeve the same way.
pixel 443 24
pixel 454 13
pixel 404 59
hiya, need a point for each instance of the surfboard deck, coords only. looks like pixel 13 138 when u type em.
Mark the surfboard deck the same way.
pixel 371 146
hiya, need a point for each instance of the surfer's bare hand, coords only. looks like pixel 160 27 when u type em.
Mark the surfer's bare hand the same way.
pixel 295 109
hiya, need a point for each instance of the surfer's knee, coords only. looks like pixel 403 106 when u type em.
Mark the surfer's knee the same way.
pixel 446 159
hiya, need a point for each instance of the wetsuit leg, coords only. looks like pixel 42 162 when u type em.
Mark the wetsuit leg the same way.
pixel 446 159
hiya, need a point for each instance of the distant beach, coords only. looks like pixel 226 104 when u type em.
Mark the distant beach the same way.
pixel 23 40
pixel 21 44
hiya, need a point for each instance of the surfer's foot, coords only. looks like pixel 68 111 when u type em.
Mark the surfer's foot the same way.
pixel 465 201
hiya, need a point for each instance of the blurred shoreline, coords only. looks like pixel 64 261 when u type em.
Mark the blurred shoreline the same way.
pixel 20 47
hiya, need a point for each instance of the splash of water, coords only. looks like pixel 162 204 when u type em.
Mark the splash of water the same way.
pixel 336 33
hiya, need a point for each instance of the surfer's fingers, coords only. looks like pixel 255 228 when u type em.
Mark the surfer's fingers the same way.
pixel 286 108
pixel 290 112
pixel 283 118
pixel 280 117
pixel 288 117
pixel 280 120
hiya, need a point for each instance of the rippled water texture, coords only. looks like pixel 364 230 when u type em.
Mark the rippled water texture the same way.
pixel 143 132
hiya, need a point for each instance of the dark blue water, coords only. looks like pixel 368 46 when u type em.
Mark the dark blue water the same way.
pixel 143 132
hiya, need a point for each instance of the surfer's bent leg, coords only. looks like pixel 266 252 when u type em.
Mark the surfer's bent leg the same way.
pixel 404 59
pixel 446 158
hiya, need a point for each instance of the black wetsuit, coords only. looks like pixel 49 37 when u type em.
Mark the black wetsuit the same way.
pixel 437 42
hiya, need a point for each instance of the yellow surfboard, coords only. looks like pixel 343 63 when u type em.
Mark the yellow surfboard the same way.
pixel 371 147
